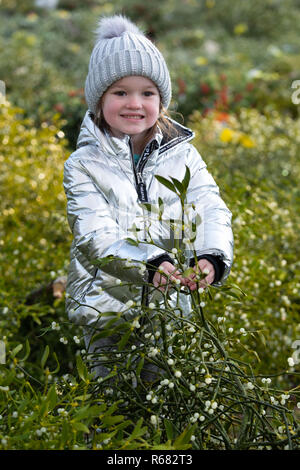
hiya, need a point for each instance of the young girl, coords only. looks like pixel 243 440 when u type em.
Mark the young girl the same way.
pixel 125 139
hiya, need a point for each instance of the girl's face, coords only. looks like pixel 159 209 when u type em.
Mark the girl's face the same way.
pixel 131 106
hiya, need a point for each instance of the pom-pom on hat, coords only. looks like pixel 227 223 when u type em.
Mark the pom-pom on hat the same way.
pixel 122 50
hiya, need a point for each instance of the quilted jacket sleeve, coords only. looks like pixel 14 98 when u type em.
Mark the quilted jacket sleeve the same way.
pixel 214 233
pixel 96 232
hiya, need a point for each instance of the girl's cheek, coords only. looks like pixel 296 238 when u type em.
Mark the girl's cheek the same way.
pixel 110 111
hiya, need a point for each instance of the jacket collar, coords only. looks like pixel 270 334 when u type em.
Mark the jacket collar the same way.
pixel 90 134
pixel 183 134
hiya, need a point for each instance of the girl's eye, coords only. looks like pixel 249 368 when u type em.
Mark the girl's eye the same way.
pixel 119 93
pixel 148 93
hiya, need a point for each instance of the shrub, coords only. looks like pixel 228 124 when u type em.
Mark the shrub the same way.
pixel 44 402
pixel 34 237
pixel 200 391
pixel 255 160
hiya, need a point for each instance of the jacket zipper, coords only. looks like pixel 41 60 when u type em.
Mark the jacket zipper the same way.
pixel 143 197
pixel 141 188
pixel 140 184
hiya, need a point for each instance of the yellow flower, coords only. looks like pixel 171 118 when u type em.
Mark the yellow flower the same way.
pixel 226 135
pixel 73 47
pixel 201 60
pixel 63 14
pixel 246 141
pixel 31 40
pixel 240 28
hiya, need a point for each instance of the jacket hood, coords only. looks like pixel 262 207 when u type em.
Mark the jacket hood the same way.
pixel 90 134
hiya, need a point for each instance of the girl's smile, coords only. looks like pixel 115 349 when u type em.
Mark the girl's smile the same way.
pixel 131 106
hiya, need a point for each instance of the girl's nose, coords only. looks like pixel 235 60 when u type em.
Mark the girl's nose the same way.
pixel 134 102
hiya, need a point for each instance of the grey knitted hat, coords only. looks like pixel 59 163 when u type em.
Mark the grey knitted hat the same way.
pixel 121 50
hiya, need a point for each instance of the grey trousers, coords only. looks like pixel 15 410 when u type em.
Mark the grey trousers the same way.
pixel 99 361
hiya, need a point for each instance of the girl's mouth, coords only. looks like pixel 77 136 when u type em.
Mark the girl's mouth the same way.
pixel 132 116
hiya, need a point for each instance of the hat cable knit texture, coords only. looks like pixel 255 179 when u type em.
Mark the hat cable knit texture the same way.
pixel 121 50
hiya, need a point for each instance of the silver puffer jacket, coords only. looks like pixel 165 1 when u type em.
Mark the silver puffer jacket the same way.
pixel 104 192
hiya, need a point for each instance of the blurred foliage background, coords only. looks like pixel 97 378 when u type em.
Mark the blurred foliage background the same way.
pixel 222 55
pixel 232 65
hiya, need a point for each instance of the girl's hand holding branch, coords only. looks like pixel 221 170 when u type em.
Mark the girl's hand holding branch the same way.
pixel 167 274
pixel 205 267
